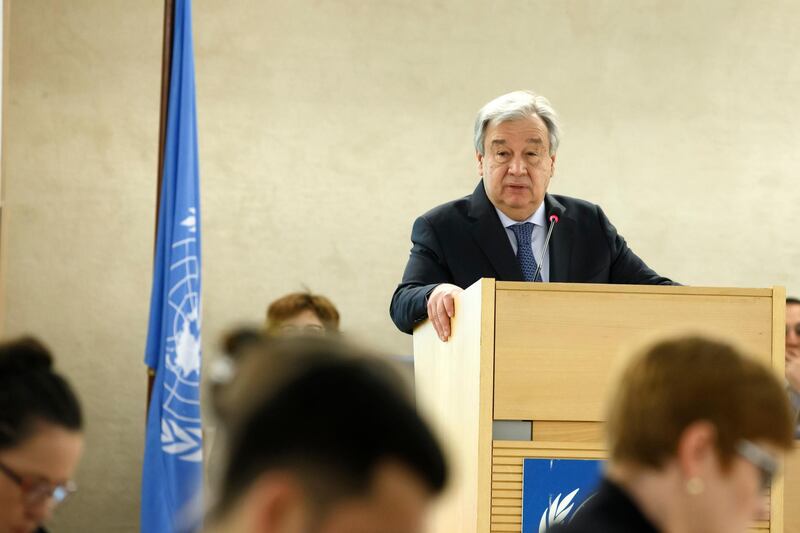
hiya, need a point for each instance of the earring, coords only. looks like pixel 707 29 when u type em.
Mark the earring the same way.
pixel 695 486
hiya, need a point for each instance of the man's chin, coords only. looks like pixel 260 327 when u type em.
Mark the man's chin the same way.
pixel 520 202
pixel 517 196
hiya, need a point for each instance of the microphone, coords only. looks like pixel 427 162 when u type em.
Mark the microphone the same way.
pixel 553 221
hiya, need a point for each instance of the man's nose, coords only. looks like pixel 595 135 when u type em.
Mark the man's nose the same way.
pixel 517 167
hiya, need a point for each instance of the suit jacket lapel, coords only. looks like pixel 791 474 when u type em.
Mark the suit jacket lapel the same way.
pixel 560 242
pixel 491 236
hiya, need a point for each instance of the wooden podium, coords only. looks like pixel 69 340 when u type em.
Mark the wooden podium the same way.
pixel 536 359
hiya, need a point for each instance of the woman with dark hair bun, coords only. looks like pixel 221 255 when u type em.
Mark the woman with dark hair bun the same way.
pixel 41 436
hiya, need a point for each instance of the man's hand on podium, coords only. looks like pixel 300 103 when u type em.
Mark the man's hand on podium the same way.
pixel 441 308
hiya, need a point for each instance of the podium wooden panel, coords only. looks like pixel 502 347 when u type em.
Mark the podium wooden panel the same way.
pixel 544 354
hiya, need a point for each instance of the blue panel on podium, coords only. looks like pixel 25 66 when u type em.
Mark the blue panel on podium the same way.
pixel 554 489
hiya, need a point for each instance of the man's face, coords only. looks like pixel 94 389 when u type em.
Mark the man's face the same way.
pixel 517 165
pixel 397 503
pixel 792 332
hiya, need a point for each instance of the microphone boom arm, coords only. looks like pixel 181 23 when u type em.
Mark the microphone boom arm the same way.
pixel 553 222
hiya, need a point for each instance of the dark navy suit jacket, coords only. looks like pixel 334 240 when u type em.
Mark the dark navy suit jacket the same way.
pixel 462 241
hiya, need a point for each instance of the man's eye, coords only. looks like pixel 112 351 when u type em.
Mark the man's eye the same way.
pixel 502 154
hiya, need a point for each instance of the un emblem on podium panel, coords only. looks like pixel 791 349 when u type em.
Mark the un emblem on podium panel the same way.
pixel 553 490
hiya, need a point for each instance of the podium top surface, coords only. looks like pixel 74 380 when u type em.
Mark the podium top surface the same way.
pixel 632 289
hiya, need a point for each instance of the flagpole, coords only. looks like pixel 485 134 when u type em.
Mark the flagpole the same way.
pixel 166 69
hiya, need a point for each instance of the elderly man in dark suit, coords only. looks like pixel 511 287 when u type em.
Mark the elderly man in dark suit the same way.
pixel 499 230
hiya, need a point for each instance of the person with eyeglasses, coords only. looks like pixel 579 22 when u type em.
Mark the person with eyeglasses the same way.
pixel 793 354
pixel 695 431
pixel 302 313
pixel 41 436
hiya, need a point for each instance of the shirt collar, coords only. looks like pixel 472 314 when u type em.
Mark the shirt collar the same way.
pixel 537 217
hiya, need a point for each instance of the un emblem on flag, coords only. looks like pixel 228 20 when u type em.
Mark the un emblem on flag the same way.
pixel 181 429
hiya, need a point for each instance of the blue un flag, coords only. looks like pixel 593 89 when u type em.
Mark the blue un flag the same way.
pixel 173 457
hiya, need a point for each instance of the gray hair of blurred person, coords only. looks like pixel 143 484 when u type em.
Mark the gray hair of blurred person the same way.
pixel 517 105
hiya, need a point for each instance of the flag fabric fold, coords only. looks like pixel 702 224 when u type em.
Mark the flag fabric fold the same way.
pixel 173 459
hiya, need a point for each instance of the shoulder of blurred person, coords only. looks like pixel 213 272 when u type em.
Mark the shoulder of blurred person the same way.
pixel 609 510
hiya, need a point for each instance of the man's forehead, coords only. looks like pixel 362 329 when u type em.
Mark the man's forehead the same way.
pixel 533 130
pixel 530 140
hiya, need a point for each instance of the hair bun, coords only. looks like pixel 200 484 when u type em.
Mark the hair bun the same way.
pixel 31 391
pixel 24 354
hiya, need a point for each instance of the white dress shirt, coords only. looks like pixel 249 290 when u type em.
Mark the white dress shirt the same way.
pixel 537 239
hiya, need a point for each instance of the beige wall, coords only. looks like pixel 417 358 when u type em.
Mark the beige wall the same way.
pixel 326 127
pixel 79 159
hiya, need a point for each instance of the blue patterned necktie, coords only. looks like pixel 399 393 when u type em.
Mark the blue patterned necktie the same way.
pixel 525 257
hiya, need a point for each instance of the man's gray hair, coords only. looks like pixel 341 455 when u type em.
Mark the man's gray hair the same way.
pixel 515 106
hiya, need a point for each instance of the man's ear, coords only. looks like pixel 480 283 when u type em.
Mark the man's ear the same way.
pixel 697 448
pixel 277 504
pixel 479 157
pixel 552 165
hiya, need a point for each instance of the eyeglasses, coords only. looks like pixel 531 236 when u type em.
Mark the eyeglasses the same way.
pixel 37 491
pixel 291 329
pixel 760 458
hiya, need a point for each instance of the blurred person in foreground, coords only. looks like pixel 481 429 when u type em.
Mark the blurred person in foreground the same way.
pixel 41 438
pixel 302 313
pixel 695 431
pixel 793 353
pixel 322 439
